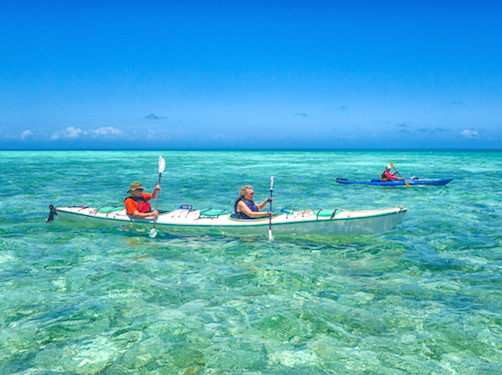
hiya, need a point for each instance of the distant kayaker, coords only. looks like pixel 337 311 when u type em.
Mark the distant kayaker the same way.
pixel 387 176
pixel 246 208
pixel 137 204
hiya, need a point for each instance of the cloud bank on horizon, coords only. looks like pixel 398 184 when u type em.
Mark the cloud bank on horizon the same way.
pixel 321 75
pixel 111 137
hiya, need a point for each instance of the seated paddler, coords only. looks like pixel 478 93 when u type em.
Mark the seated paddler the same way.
pixel 137 204
pixel 246 208
pixel 387 176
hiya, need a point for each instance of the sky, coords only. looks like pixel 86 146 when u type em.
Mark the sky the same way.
pixel 251 75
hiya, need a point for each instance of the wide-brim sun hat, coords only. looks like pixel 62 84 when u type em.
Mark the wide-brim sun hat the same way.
pixel 135 186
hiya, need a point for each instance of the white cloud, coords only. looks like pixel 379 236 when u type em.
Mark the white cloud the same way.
pixel 68 133
pixel 74 133
pixel 107 131
pixel 26 134
pixel 470 134
pixel 151 134
pixel 155 135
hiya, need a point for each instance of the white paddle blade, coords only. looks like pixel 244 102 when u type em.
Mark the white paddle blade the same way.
pixel 152 233
pixel 270 236
pixel 271 182
pixel 162 164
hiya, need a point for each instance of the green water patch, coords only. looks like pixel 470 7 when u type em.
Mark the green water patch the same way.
pixel 421 298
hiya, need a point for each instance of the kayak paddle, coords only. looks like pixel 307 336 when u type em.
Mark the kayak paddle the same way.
pixel 162 167
pixel 270 237
pixel 407 184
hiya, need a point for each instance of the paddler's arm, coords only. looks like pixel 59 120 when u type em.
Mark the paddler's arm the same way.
pixel 245 209
pixel 155 192
pixel 262 204
pixel 145 215
pixel 394 177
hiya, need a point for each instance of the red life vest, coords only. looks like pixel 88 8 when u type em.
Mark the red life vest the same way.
pixel 384 177
pixel 143 205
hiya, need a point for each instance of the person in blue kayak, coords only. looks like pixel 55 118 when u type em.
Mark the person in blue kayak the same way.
pixel 137 204
pixel 246 208
pixel 387 176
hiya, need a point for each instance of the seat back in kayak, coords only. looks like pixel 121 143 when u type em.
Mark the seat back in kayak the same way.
pixel 107 210
pixel 322 212
pixel 213 213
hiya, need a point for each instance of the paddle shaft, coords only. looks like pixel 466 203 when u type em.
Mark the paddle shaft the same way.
pixel 157 200
pixel 156 203
pixel 162 166
pixel 399 173
pixel 270 203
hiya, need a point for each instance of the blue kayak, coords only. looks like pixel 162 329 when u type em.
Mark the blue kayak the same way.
pixel 411 181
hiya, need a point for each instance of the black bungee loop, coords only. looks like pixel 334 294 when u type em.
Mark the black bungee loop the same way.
pixel 52 212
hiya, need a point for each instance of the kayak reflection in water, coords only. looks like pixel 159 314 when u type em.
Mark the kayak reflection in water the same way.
pixel 387 176
pixel 137 204
pixel 246 208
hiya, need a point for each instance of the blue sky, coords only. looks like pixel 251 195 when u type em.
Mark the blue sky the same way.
pixel 229 74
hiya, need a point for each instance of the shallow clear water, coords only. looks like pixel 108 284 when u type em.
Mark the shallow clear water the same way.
pixel 423 298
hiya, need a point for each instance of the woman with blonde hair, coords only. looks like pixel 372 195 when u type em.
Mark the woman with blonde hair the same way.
pixel 246 208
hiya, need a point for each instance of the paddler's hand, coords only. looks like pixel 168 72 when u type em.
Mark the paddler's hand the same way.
pixel 155 193
pixel 271 199
pixel 155 213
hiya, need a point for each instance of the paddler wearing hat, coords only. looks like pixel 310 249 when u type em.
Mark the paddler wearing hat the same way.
pixel 387 176
pixel 137 204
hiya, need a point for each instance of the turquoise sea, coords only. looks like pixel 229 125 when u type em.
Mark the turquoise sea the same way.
pixel 422 298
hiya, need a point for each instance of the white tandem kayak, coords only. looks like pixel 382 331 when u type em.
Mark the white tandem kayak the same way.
pixel 185 219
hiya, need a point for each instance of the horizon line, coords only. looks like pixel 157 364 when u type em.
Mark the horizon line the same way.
pixel 258 149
